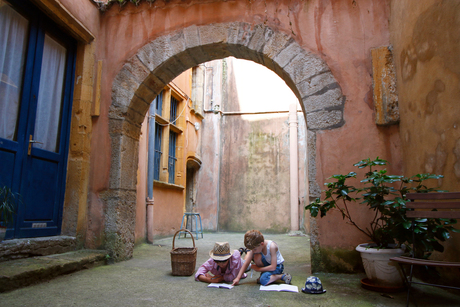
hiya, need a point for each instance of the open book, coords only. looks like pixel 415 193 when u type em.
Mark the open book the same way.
pixel 222 285
pixel 287 288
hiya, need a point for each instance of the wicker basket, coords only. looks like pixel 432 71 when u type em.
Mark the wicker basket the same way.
pixel 183 259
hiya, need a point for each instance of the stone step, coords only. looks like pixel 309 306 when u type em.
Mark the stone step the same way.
pixel 23 272
pixel 31 247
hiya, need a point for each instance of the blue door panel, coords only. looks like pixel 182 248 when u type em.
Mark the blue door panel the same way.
pixel 6 168
pixel 38 175
pixel 41 189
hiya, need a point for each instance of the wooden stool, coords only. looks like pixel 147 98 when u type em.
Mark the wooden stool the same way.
pixel 186 217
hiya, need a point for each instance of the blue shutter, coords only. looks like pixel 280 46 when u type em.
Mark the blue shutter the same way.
pixel 173 110
pixel 157 157
pixel 159 104
pixel 172 156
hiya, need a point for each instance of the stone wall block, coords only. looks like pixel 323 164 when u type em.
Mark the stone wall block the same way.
pixel 177 42
pixel 245 32
pixel 117 112
pixel 154 84
pixel 129 158
pixel 239 52
pixel 143 94
pixel 314 188
pixel 116 127
pixel 137 111
pixel 164 73
pixel 131 129
pixel 274 43
pixel 288 53
pixel 23 248
pixel 192 39
pixel 186 60
pixel 124 160
pixel 145 55
pixel 197 55
pixel 233 30
pixel 213 33
pixel 331 98
pixel 324 120
pixel 258 38
pixel 119 222
pixel 172 68
pixel 161 50
pixel 305 66
pixel 315 84
pixel 124 86
pixel 137 69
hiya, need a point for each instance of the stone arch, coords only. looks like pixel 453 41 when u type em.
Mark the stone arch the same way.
pixel 158 62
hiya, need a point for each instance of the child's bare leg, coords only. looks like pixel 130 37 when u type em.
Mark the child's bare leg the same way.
pixel 274 278
pixel 258 260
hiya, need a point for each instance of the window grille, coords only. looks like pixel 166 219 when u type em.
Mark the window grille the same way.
pixel 172 156
pixel 159 104
pixel 173 110
pixel 158 153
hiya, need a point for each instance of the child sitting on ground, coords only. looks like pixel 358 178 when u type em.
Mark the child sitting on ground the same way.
pixel 267 259
pixel 222 265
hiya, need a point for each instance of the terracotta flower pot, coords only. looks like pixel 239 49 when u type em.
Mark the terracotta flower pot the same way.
pixel 379 269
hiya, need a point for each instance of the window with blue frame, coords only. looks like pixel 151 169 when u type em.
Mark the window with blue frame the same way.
pixel 169 126
pixel 172 156
pixel 158 153
pixel 173 110
pixel 159 104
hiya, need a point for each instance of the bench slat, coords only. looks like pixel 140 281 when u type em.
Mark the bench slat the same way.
pixel 442 195
pixel 433 205
pixel 434 214
pixel 415 261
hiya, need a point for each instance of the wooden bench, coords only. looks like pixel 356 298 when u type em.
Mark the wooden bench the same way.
pixel 423 205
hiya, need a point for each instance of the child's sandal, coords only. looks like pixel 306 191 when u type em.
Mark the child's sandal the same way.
pixel 287 278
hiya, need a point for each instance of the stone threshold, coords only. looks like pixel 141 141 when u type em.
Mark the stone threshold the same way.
pixel 20 273
pixel 31 247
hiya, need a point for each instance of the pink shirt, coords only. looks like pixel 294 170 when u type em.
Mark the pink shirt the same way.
pixel 233 267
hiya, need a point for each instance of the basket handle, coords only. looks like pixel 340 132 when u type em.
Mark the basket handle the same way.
pixel 180 230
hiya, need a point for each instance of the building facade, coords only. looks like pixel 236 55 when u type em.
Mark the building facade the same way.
pixel 115 61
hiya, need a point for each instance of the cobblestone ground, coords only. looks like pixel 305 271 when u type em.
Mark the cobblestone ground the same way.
pixel 146 280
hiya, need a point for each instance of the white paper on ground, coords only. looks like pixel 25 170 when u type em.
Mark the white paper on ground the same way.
pixel 287 288
pixel 222 285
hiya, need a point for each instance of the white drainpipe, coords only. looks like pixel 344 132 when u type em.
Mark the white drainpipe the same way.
pixel 294 168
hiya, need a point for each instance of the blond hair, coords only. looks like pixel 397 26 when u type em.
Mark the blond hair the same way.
pixel 253 238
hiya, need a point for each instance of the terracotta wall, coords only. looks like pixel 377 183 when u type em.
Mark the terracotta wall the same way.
pixel 341 33
pixel 426 44
pixel 168 202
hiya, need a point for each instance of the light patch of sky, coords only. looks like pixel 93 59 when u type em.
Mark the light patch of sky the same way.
pixel 260 89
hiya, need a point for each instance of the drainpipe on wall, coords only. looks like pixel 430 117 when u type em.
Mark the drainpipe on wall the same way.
pixel 294 168
pixel 150 168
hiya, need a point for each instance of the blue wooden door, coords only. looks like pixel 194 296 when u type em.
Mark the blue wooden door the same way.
pixel 37 67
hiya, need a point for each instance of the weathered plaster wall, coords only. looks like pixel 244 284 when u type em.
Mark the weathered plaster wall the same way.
pixel 167 211
pixel 426 41
pixel 341 33
pixel 255 175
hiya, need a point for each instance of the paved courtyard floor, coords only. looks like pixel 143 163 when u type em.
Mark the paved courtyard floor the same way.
pixel 146 280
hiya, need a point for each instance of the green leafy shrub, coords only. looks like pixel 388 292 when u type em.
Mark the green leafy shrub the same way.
pixel 386 196
pixel 7 205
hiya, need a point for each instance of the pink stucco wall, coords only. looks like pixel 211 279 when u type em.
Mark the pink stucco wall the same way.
pixel 341 33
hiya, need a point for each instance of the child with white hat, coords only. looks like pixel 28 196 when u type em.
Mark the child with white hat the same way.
pixel 223 266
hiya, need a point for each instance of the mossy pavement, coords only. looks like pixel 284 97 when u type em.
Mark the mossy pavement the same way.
pixel 146 280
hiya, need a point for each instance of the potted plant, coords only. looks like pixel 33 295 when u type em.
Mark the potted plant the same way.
pixel 389 230
pixel 7 209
